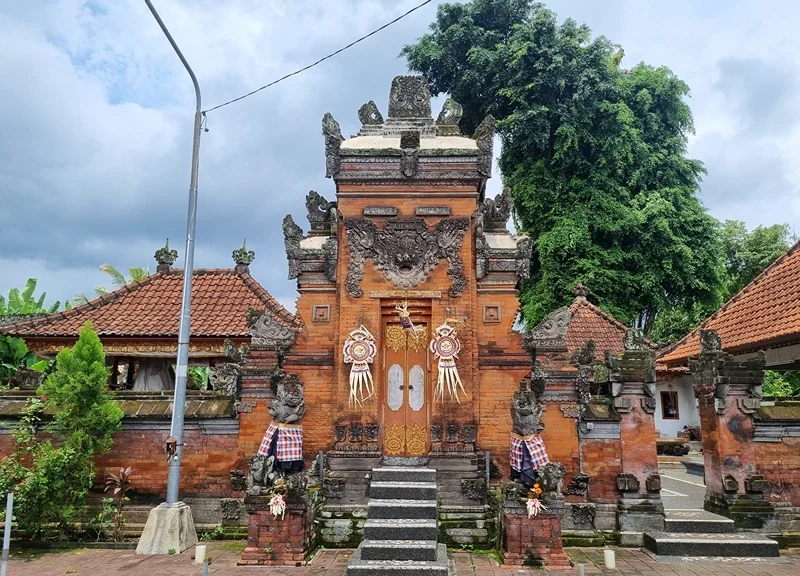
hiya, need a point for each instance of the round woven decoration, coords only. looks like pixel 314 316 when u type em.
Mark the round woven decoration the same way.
pixel 360 351
pixel 446 346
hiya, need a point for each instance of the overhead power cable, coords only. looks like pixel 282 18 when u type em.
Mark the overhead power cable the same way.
pixel 331 55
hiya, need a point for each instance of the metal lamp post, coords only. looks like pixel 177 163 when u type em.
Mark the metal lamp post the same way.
pixel 170 526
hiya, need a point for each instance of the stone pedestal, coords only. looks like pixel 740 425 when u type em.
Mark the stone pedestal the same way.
pixel 728 394
pixel 277 541
pixel 169 530
pixel 632 376
pixel 533 541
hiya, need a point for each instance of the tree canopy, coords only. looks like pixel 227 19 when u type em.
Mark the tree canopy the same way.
pixel 595 157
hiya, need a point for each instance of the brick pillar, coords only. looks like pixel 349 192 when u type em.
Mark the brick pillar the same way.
pixel 532 541
pixel 728 394
pixel 277 541
pixel 633 386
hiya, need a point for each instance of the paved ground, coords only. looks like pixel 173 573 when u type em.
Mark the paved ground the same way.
pixel 630 562
pixel 681 490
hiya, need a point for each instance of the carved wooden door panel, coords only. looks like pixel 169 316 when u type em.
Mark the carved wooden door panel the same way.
pixel 405 363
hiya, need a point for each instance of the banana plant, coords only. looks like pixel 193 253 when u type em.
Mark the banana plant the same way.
pixel 23 301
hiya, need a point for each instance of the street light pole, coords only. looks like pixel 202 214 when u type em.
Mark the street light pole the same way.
pixel 175 443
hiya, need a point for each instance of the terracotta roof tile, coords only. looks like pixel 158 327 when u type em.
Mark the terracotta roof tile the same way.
pixel 151 307
pixel 589 322
pixel 765 311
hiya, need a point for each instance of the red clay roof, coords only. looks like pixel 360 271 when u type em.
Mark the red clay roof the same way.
pixel 151 307
pixel 589 322
pixel 765 311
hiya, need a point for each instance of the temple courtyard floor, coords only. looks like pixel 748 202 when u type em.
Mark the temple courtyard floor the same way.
pixel 630 562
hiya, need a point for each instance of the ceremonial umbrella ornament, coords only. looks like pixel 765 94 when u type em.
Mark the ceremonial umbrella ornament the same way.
pixel 360 350
pixel 445 346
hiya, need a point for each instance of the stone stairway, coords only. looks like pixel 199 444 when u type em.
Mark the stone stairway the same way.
pixel 697 533
pixel 400 534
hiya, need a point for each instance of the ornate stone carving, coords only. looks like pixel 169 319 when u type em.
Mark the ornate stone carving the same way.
pixel 432 210
pixel 436 432
pixel 710 342
pixel 570 410
pixel 339 433
pixel 649 405
pixel 627 483
pixel 231 508
pixel 333 142
pixel 292 234
pixel 448 119
pixel 473 488
pixel 496 211
pixel 405 251
pixel 356 432
pixel 369 115
pixel 244 407
pixel 238 481
pixel 634 340
pixel 409 97
pixel 165 257
pixel 538 380
pixel 579 485
pixel 261 475
pixel 470 432
pixel 330 253
pixel 319 211
pixel 551 479
pixel 334 487
pixel 371 432
pixel 583 514
pixel 484 138
pixel 526 412
pixel 653 483
pixel 380 211
pixel 523 260
pixel 266 331
pixel 451 432
pixel 242 256
pixel 551 332
pixel 289 407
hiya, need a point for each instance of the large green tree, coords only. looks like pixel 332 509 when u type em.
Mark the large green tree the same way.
pixel 595 157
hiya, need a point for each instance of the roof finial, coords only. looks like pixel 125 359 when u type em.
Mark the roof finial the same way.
pixel 243 258
pixel 581 292
pixel 165 258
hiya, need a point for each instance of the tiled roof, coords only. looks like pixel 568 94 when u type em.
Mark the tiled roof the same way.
pixel 766 311
pixel 151 307
pixel 588 322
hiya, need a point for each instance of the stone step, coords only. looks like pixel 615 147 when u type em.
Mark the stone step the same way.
pixel 399 550
pixel 360 567
pixel 402 508
pixel 400 529
pixel 692 544
pixel 399 474
pixel 403 490
pixel 698 522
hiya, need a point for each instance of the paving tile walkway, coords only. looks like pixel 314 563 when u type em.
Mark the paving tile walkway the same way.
pixel 630 562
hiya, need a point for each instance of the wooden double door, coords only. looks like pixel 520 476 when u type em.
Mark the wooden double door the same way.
pixel 406 398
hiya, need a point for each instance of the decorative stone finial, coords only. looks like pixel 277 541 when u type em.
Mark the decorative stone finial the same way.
pixel 410 97
pixel 581 292
pixel 165 258
pixel 710 341
pixel 484 138
pixel 370 115
pixel 243 258
pixel 333 142
pixel 448 119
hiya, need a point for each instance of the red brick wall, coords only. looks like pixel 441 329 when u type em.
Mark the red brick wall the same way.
pixel 780 465
pixel 602 460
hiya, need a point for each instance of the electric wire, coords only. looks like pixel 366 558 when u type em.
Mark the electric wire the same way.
pixel 331 55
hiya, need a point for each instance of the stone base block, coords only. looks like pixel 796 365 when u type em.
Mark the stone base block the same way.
pixel 277 541
pixel 532 541
pixel 169 530
pixel 749 512
pixel 631 539
pixel 641 514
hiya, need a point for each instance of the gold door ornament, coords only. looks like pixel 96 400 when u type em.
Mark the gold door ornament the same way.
pixel 394 438
pixel 395 338
pixel 416 439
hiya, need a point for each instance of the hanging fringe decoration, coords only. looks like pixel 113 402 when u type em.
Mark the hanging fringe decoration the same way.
pixel 415 332
pixel 445 346
pixel 360 350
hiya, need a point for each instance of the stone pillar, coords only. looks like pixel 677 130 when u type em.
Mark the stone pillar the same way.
pixel 728 394
pixel 531 541
pixel 277 541
pixel 633 386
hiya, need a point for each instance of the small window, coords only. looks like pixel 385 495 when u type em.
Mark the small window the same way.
pixel 669 405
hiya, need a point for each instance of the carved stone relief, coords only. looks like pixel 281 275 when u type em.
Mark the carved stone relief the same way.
pixel 484 138
pixel 436 432
pixel 405 251
pixel 451 432
pixel 231 508
pixel 319 211
pixel 292 234
pixel 583 514
pixel 409 97
pixel 333 143
pixel 448 119
pixel 369 115
pixel 579 485
pixel 552 331
pixel 266 331
pixel 238 481
pixel 356 432
pixel 371 432
pixel 470 433
pixel 473 488
pixel 496 211
pixel 526 412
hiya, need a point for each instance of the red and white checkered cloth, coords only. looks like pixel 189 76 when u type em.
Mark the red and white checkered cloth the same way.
pixel 535 446
pixel 290 442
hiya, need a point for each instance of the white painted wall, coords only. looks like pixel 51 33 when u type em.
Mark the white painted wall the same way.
pixel 687 407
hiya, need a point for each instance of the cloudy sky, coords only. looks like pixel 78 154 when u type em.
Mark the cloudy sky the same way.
pixel 96 115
